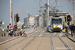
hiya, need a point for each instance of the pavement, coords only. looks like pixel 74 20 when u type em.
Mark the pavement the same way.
pixel 6 39
pixel 29 30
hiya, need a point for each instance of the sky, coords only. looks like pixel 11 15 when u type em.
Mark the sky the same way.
pixel 30 6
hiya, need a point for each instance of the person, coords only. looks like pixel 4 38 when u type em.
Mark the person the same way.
pixel 21 32
pixel 22 26
pixel 72 27
pixel 8 30
pixel 11 29
pixel 10 26
pixel 34 26
pixel 14 31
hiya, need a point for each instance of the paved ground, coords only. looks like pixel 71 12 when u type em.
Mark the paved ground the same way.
pixel 6 38
pixel 40 40
pixel 71 38
pixel 29 30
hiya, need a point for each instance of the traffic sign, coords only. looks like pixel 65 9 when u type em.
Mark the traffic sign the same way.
pixel 2 22
pixel 2 29
pixel 24 26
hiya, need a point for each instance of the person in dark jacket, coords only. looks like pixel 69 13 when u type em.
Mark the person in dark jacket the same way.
pixel 72 27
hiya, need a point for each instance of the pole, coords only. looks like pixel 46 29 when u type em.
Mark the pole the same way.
pixel 73 12
pixel 23 15
pixel 11 17
pixel 47 14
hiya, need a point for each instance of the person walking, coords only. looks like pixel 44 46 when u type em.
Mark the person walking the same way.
pixel 8 30
pixel 72 30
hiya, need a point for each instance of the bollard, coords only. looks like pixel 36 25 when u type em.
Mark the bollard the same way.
pixel 64 29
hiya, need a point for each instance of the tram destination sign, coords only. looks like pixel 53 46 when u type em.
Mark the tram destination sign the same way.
pixel 58 14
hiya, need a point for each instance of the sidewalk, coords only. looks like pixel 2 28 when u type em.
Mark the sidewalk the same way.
pixel 6 39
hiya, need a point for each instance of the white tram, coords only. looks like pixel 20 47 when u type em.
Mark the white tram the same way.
pixel 56 22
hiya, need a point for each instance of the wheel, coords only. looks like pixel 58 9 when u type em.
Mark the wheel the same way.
pixel 24 34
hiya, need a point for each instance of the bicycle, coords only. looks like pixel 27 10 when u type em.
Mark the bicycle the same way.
pixel 23 34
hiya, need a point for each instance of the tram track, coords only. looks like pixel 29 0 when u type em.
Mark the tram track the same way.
pixel 30 42
pixel 30 35
pixel 20 41
pixel 55 40
pixel 51 42
pixel 64 43
pixel 35 36
pixel 57 35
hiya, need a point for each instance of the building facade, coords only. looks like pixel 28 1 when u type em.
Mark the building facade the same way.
pixel 29 21
pixel 26 21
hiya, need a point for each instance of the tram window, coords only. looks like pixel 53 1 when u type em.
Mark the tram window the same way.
pixel 56 21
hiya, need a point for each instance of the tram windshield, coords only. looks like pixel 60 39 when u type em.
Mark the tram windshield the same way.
pixel 56 21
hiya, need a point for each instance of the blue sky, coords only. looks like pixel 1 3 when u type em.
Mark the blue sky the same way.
pixel 29 5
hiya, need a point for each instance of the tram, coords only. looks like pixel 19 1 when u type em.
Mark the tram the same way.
pixel 56 22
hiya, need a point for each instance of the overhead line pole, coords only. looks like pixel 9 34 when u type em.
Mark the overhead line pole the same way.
pixel 11 16
pixel 23 15
pixel 73 12
pixel 47 14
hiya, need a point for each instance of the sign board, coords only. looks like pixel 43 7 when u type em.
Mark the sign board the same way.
pixel 2 22
pixel 24 26
pixel 58 14
pixel 2 29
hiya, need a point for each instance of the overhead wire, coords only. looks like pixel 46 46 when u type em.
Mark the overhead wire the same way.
pixel 36 3
pixel 42 2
